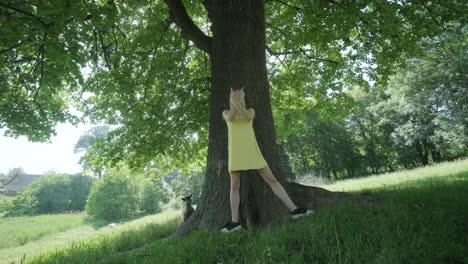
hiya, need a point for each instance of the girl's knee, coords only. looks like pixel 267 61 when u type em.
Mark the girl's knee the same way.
pixel 235 186
pixel 272 181
pixel 268 176
pixel 235 180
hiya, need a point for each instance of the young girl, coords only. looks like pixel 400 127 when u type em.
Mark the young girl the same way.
pixel 244 154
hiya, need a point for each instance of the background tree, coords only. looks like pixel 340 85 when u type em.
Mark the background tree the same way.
pixel 324 147
pixel 371 135
pixel 4 178
pixel 183 185
pixel 15 172
pixel 114 197
pixel 123 194
pixel 51 194
pixel 413 120
pixel 91 143
pixel 426 104
pixel 144 75
pixel 153 196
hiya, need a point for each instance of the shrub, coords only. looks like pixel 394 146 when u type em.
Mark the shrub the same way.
pixel 122 194
pixel 60 193
pixel 114 197
pixel 183 185
pixel 51 194
pixel 80 188
pixel 153 196
pixel 23 204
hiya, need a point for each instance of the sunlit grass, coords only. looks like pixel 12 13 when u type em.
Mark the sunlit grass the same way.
pixel 418 216
pixel 421 221
pixel 52 238
pixel 18 231
pixel 441 170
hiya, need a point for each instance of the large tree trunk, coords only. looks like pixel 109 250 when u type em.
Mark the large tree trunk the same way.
pixel 422 153
pixel 238 59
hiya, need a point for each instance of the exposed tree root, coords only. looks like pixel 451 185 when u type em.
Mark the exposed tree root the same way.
pixel 306 196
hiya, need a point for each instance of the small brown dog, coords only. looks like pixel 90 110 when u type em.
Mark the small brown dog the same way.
pixel 187 211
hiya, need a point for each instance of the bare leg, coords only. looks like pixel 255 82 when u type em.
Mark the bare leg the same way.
pixel 234 195
pixel 276 187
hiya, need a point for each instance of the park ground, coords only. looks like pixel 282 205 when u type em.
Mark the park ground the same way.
pixel 418 216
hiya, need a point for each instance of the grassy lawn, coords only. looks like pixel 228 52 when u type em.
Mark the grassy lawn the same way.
pixel 4 199
pixel 418 218
pixel 29 236
pixel 17 231
pixel 441 170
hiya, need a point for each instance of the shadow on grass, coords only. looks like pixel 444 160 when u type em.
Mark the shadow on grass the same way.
pixel 424 221
pixel 100 223
pixel 96 223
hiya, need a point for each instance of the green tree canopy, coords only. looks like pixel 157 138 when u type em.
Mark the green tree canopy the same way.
pixel 161 72
pixel 417 118
pixel 91 143
pixel 126 63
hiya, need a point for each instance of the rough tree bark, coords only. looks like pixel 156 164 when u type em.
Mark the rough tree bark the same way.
pixel 237 53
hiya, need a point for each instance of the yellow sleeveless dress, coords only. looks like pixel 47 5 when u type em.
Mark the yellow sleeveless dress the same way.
pixel 244 153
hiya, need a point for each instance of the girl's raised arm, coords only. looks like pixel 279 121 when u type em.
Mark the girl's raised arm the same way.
pixel 228 115
pixel 248 113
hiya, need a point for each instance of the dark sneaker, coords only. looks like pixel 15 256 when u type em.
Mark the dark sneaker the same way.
pixel 231 227
pixel 300 211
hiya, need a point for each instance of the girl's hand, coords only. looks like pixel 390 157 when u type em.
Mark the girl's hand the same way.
pixel 240 108
pixel 237 104
pixel 237 100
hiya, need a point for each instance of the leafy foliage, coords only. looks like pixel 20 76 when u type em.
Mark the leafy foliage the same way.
pixel 15 171
pixel 90 143
pixel 153 195
pixel 51 194
pixel 123 194
pixel 323 147
pixel 59 193
pixel 409 224
pixel 183 185
pixel 21 205
pixel 417 118
pixel 4 178
pixel 114 197
pixel 426 105
pixel 125 64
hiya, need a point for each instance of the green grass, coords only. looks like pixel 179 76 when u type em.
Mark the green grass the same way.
pixel 4 200
pixel 17 231
pixel 441 170
pixel 49 232
pixel 418 220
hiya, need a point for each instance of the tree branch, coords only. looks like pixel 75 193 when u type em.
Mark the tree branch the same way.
pixel 150 68
pixel 277 56
pixel 189 30
pixel 116 43
pixel 431 13
pixel 25 13
pixel 41 62
pixel 287 52
pixel 104 50
pixel 300 51
pixel 12 47
pixel 297 8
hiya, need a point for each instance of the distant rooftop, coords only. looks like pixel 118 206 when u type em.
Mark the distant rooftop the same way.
pixel 19 182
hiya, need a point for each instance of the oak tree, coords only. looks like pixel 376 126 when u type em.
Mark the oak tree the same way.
pixel 161 72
